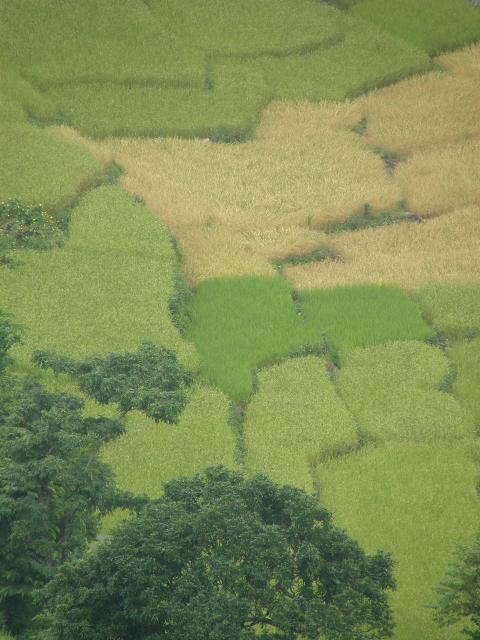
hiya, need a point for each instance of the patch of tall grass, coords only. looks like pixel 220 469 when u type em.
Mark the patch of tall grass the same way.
pixel 440 250
pixel 442 179
pixel 107 289
pixel 453 309
pixel 415 501
pixel 364 315
pixel 393 390
pixel 423 112
pixel 294 419
pixel 432 25
pixel 149 453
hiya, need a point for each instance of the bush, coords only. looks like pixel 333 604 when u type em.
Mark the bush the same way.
pixel 31 227
pixel 150 380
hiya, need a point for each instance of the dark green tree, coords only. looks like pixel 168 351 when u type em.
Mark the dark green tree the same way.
pixel 150 379
pixel 52 489
pixel 223 557
pixel 459 592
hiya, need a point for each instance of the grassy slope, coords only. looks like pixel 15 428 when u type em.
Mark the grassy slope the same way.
pixel 417 502
pixel 432 25
pixel 393 390
pixel 106 290
pixel 150 453
pixel 295 417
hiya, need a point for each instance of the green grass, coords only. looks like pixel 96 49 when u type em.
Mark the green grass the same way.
pixel 39 166
pixel 295 418
pixel 432 25
pixel 453 309
pixel 394 392
pixel 249 27
pixel 229 111
pixel 51 42
pixel 240 324
pixel 19 99
pixel 106 290
pixel 465 357
pixel 364 59
pixel 150 454
pixel 358 316
pixel 415 501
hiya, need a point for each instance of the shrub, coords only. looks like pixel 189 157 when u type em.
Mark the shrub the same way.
pixel 149 380
pixel 32 227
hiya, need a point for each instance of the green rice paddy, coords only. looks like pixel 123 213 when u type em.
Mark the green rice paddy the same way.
pixel 416 501
pixel 394 391
pixel 295 419
pixel 454 310
pixel 465 357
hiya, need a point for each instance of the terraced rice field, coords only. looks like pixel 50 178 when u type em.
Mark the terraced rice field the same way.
pixel 287 195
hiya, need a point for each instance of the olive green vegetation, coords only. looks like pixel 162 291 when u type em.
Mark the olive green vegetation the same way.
pixel 465 357
pixel 394 392
pixel 363 59
pixel 107 289
pixel 53 42
pixel 432 25
pixel 453 309
pixel 415 501
pixel 294 420
pixel 151 453
pixel 359 316
pixel 202 70
pixel 240 324
pixel 19 100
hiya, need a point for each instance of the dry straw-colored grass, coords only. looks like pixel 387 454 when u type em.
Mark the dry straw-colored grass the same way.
pixel 464 62
pixel 234 208
pixel 443 249
pixel 442 179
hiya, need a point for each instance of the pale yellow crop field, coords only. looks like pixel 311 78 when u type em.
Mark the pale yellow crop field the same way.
pixel 444 249
pixel 235 208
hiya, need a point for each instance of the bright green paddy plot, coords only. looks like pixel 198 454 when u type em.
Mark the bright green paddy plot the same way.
pixel 358 316
pixel 106 290
pixel 39 166
pixel 432 25
pixel 465 357
pixel 393 390
pixel 416 502
pixel 294 419
pixel 453 309
pixel 151 453
pixel 240 324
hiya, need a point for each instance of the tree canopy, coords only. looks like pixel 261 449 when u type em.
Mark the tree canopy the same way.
pixel 223 556
pixel 150 379
pixel 459 592
pixel 52 489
